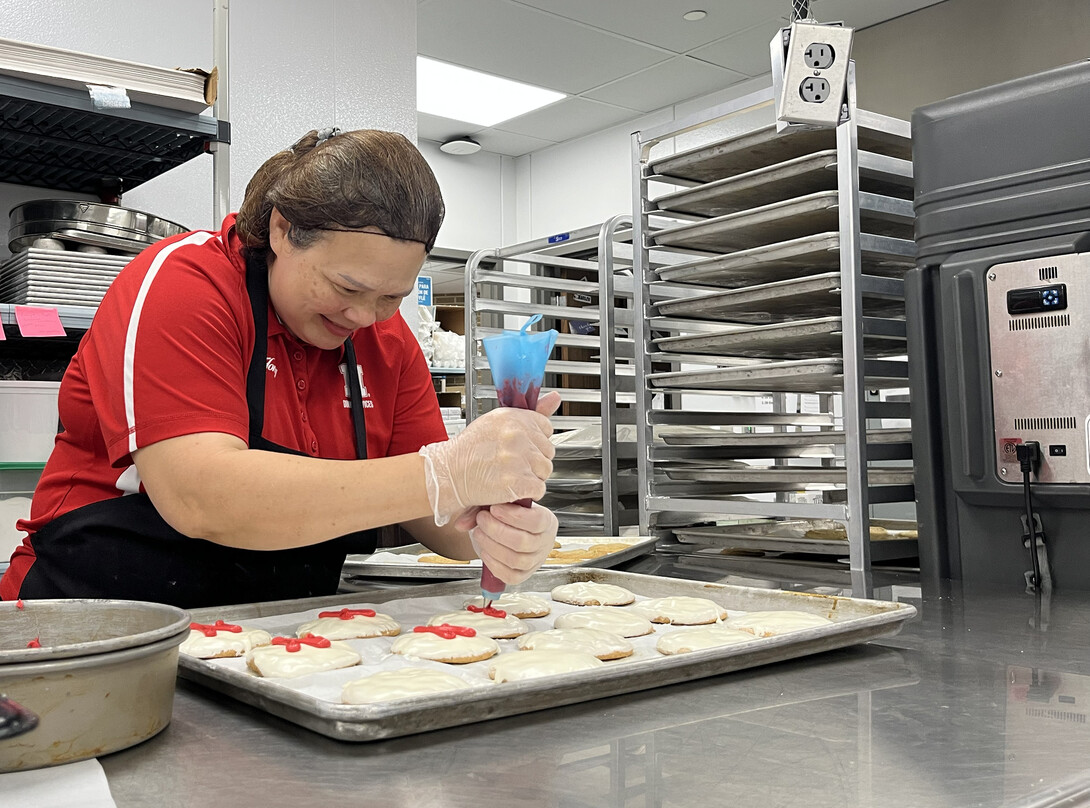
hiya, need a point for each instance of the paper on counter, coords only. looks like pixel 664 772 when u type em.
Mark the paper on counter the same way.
pixel 74 785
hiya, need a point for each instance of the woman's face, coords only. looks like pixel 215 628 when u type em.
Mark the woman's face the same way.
pixel 343 281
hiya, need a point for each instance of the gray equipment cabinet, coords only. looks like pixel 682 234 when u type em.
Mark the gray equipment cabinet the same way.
pixel 580 281
pixel 785 286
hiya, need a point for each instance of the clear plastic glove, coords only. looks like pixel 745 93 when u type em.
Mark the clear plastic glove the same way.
pixel 503 456
pixel 512 540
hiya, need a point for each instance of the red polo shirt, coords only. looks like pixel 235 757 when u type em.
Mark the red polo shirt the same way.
pixel 167 355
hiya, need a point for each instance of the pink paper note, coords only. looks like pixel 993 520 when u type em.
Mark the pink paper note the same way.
pixel 39 321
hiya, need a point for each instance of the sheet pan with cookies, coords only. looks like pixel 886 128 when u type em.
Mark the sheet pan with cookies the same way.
pixel 425 657
pixel 417 561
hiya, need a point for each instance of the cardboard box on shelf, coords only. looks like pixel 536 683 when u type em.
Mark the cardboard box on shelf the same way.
pixel 451 318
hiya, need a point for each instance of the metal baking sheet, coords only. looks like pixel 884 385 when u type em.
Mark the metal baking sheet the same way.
pixel 803 475
pixel 362 565
pixel 854 621
pixel 798 177
pixel 810 255
pixel 722 437
pixel 799 339
pixel 789 536
pixel 740 153
pixel 789 219
pixel 794 299
pixel 800 376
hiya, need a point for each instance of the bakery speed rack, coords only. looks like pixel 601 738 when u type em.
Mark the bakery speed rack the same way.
pixel 580 281
pixel 770 398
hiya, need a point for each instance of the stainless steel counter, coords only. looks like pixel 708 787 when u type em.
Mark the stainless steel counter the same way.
pixel 980 702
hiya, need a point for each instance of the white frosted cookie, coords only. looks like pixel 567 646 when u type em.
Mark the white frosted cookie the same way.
pixel 769 624
pixel 588 593
pixel 400 684
pixel 350 624
pixel 455 645
pixel 697 639
pixel 221 640
pixel 519 604
pixel 289 657
pixel 533 664
pixel 602 644
pixel 680 610
pixel 487 623
pixel 607 618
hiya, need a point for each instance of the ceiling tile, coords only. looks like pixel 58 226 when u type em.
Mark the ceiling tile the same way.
pixel 567 119
pixel 659 22
pixel 440 129
pixel 521 43
pixel 746 52
pixel 863 13
pixel 667 83
pixel 509 143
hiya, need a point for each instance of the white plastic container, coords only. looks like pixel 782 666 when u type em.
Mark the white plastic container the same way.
pixel 28 421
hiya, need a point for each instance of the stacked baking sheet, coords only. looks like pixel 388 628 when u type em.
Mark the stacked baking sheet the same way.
pixel 160 86
pixel 57 277
pixel 574 491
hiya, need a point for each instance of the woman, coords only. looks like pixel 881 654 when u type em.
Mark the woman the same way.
pixel 248 405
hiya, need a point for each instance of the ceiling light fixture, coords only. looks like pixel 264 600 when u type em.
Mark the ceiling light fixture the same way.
pixel 694 15
pixel 461 145
pixel 467 95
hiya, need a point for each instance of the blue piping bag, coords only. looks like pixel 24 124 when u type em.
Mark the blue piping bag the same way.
pixel 517 361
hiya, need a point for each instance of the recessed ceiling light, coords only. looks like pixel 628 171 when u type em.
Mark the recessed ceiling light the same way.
pixel 461 145
pixel 467 95
pixel 693 16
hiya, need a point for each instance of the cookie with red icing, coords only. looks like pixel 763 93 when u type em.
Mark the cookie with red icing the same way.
pixel 350 624
pixel 289 657
pixel 455 645
pixel 222 640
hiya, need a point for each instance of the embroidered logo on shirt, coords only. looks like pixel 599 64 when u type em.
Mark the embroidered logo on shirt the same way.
pixel 270 365
pixel 364 395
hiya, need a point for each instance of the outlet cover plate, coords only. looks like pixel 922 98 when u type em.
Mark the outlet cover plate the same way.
pixel 809 94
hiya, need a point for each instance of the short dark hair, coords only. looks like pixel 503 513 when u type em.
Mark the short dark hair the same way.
pixel 353 180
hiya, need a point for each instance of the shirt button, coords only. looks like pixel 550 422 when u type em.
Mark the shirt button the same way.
pixel 297 356
pixel 314 446
pixel 301 384
pixel 304 416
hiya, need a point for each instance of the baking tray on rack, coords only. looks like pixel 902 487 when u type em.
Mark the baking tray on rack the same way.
pixel 793 299
pixel 789 219
pixel 798 339
pixel 800 176
pixel 401 562
pixel 789 536
pixel 814 254
pixel 798 376
pixel 740 153
pixel 800 475
pixel 313 701
pixel 722 437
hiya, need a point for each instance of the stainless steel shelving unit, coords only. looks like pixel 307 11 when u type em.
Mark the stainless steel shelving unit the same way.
pixel 802 238
pixel 589 480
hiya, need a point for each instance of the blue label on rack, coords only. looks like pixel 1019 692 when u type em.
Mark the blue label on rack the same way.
pixel 423 290
pixel 559 237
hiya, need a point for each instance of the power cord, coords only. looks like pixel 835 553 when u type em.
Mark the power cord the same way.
pixel 1033 534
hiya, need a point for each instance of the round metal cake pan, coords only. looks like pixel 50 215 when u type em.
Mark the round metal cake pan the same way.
pixel 102 681
pixel 83 222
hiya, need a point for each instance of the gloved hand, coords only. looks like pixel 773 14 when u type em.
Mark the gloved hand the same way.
pixel 513 541
pixel 503 456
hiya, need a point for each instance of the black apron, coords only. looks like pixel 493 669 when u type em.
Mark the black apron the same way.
pixel 123 548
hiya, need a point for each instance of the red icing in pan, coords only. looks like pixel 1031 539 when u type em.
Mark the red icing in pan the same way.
pixel 35 643
pixel 210 630
pixel 294 644
pixel 348 614
pixel 446 631
pixel 487 610
pixel 19 604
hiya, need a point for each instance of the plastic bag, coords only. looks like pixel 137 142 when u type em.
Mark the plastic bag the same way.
pixel 517 360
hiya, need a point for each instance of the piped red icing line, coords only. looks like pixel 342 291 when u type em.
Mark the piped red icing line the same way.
pixel 510 395
pixel 348 614
pixel 19 604
pixel 210 630
pixel 294 644
pixel 488 611
pixel 35 643
pixel 447 631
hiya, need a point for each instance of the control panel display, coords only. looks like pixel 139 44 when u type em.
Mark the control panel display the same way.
pixel 1037 298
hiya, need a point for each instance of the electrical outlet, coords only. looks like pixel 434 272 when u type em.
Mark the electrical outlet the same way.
pixel 815 69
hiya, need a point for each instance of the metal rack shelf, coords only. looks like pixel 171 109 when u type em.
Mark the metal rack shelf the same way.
pixel 572 280
pixel 806 234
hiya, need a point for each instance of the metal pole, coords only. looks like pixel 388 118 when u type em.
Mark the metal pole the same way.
pixel 608 363
pixel 470 304
pixel 221 109
pixel 641 307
